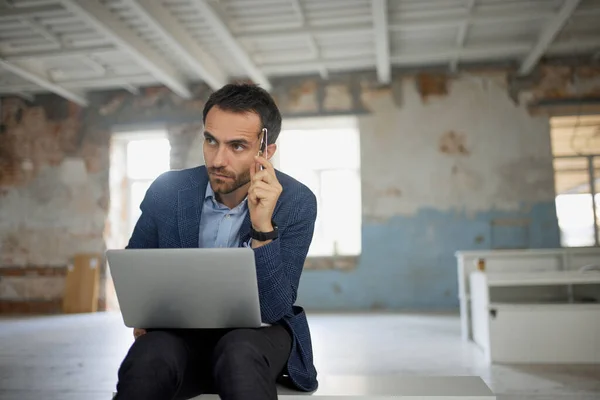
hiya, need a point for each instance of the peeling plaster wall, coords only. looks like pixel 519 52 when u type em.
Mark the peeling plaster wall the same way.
pixel 458 171
pixel 472 150
pixel 53 194
pixel 446 165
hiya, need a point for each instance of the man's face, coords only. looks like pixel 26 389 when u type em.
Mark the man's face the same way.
pixel 231 141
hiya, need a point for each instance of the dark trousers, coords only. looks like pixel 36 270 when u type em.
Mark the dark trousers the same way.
pixel 181 364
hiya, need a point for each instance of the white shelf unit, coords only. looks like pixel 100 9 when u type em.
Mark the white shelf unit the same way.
pixel 537 317
pixel 526 260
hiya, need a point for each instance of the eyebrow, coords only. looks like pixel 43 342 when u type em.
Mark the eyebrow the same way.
pixel 208 135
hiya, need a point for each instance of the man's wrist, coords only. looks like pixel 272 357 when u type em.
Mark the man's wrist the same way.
pixel 264 233
pixel 265 227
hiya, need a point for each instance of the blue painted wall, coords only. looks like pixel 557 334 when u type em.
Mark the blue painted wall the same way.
pixel 408 262
pixel 466 170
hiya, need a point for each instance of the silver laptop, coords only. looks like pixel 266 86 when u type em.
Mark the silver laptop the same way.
pixel 186 288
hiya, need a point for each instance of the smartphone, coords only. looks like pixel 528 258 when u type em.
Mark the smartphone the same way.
pixel 263 145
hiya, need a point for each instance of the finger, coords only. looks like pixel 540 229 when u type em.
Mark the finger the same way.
pixel 252 197
pixel 264 162
pixel 253 169
pixel 275 188
pixel 261 193
pixel 263 176
pixel 263 186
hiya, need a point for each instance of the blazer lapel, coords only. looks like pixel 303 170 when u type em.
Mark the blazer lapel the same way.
pixel 245 229
pixel 189 211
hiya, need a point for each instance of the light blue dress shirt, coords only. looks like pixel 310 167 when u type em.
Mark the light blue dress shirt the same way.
pixel 220 225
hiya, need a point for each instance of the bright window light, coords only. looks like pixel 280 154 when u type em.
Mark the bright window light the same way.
pixel 328 162
pixel 147 159
pixel 576 219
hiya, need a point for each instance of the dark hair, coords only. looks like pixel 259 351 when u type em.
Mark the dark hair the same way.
pixel 245 97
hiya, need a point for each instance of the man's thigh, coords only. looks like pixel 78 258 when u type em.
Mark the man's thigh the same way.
pixel 200 345
pixel 272 343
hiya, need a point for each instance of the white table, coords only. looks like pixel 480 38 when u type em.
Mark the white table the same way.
pixel 537 317
pixel 391 387
pixel 527 260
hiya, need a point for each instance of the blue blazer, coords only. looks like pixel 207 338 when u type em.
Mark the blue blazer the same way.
pixel 171 212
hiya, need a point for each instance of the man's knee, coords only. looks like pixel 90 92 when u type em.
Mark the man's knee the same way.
pixel 237 349
pixel 156 353
pixel 153 367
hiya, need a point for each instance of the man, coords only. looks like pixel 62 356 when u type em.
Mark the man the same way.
pixel 236 199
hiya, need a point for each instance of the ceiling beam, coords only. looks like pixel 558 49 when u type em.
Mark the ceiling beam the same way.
pixel 431 56
pixel 312 67
pixel 64 52
pixel 26 96
pixel 548 35
pixel 124 37
pixel 574 46
pixel 461 37
pixel 514 7
pixel 41 30
pixel 382 40
pixel 7 13
pixel 108 80
pixel 425 57
pixel 345 30
pixel 268 26
pixel 428 20
pixel 134 90
pixel 401 25
pixel 29 87
pixel 223 33
pixel 311 38
pixel 413 24
pixel 161 20
pixel 44 82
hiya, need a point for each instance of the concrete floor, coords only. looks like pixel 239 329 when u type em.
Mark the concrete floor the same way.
pixel 76 357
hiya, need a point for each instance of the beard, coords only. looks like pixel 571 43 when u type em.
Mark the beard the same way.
pixel 226 186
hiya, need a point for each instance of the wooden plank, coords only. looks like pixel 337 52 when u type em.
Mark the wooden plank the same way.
pixel 82 284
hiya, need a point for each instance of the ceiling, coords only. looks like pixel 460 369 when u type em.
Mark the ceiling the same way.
pixel 70 47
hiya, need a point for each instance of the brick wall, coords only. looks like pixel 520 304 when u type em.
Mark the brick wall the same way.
pixel 53 198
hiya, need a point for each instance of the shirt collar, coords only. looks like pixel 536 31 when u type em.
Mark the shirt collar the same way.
pixel 209 192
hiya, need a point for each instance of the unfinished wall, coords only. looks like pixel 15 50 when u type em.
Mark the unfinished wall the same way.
pixel 446 166
pixel 465 169
pixel 53 199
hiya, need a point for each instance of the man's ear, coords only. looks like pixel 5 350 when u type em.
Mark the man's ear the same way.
pixel 271 149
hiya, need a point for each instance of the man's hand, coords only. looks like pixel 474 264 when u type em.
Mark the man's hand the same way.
pixel 263 194
pixel 137 332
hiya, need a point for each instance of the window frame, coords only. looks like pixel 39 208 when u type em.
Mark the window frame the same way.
pixel 329 260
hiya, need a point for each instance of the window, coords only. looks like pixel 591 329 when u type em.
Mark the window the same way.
pixel 325 156
pixel 137 158
pixel 576 148
pixel 146 160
